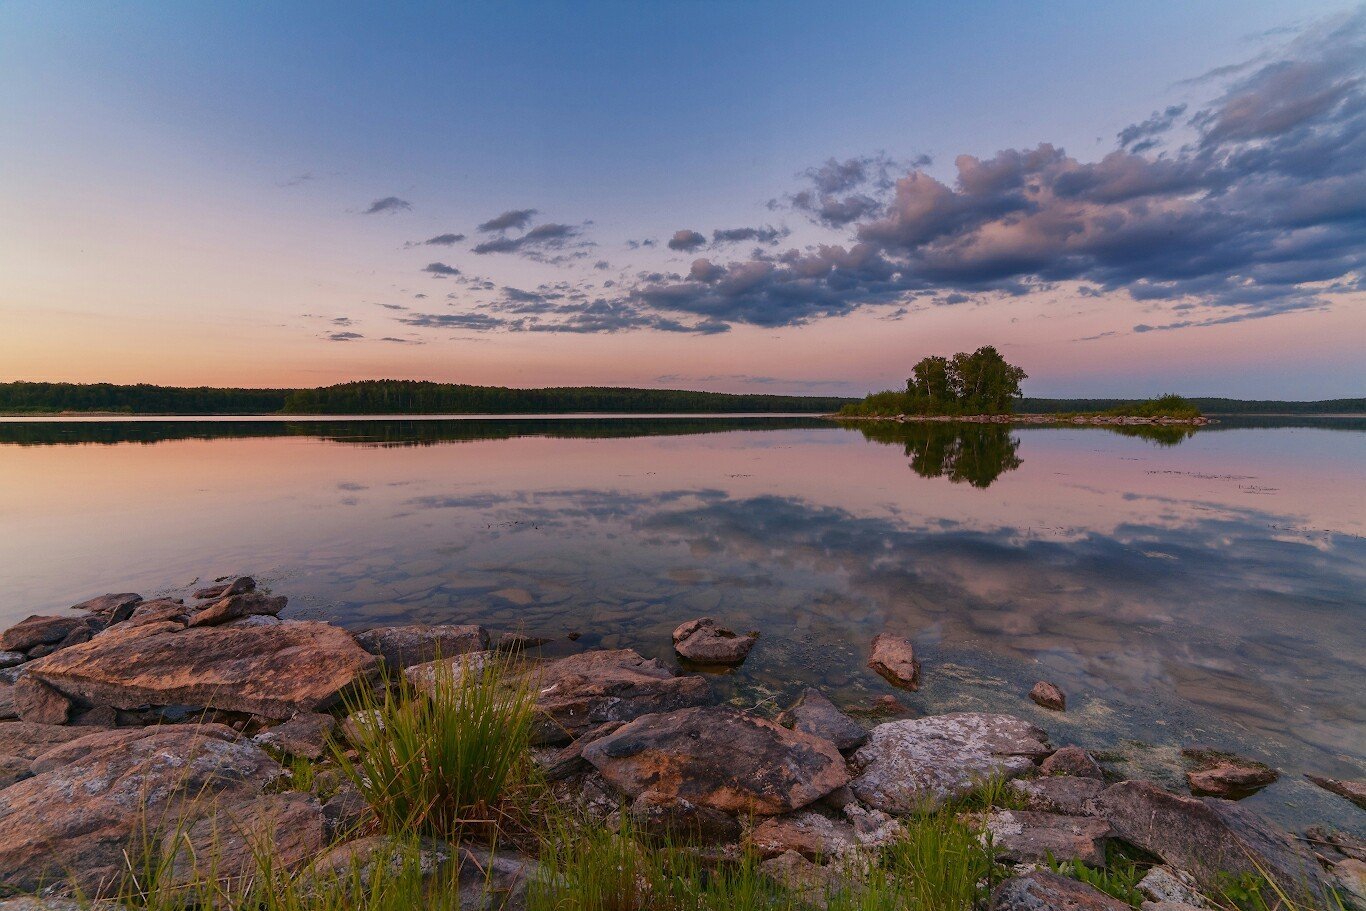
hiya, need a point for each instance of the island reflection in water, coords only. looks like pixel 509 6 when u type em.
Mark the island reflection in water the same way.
pixel 1207 591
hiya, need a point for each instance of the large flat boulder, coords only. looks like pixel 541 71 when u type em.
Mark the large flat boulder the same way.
pixel 1206 837
pixel 81 820
pixel 273 671
pixel 580 692
pixel 28 740
pixel 719 757
pixel 920 762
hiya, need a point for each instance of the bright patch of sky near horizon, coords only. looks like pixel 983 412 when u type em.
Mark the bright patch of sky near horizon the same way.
pixel 185 190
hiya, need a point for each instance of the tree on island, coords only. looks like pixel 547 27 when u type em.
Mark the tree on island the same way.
pixel 982 382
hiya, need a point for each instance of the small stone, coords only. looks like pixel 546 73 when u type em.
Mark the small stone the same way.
pixel 1165 884
pixel 12 659
pixel 1059 793
pixel 38 703
pixel 812 835
pixel 1044 891
pixel 516 643
pixel 682 820
pixel 815 714
pixel 344 813
pixel 13 769
pixel 704 641
pixel 1072 761
pixel 894 660
pixel 1048 696
pixel 810 881
pixel 872 828
pixel 305 735
pixel 1026 836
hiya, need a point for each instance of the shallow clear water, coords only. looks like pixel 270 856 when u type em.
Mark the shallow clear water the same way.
pixel 1205 587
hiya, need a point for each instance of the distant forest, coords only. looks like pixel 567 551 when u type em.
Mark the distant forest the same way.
pixel 391 397
pixel 410 397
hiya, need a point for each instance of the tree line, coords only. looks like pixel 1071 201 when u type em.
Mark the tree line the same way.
pixel 391 397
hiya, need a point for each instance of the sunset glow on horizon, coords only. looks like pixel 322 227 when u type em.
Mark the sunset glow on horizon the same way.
pixel 749 198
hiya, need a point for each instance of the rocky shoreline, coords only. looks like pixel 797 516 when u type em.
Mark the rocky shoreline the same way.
pixel 1098 420
pixel 135 711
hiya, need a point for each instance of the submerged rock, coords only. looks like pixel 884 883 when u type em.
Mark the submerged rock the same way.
pixel 907 765
pixel 719 757
pixel 113 608
pixel 238 586
pixel 236 606
pixel 894 660
pixel 815 714
pixel 582 691
pixel 1048 696
pixel 269 671
pixel 704 641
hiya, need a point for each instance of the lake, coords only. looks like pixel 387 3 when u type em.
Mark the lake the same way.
pixel 1181 586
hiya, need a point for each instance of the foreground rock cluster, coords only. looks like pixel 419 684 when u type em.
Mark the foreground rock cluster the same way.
pixel 134 716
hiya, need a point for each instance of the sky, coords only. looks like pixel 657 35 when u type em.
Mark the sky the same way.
pixel 787 197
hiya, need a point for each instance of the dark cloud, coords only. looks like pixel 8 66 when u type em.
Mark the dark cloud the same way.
pixel 763 235
pixel 840 193
pixel 539 243
pixel 512 219
pixel 440 240
pixel 343 336
pixel 639 244
pixel 440 269
pixel 393 306
pixel 401 341
pixel 388 204
pixel 1261 214
pixel 687 241
pixel 1140 137
pixel 602 264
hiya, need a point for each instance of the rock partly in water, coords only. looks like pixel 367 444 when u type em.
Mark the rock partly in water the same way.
pixel 1059 794
pixel 815 714
pixel 305 735
pixel 908 765
pixel 1044 891
pixel 719 757
pixel 704 641
pixel 404 646
pixel 582 691
pixel 238 586
pixel 894 660
pixel 1205 837
pixel 1048 696
pixel 39 630
pixel 76 820
pixel 39 703
pixel 274 672
pixel 1072 761
pixel 1355 791
pixel 112 608
pixel 1219 774
pixel 1027 836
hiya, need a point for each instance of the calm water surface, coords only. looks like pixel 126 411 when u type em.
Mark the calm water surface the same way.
pixel 1205 587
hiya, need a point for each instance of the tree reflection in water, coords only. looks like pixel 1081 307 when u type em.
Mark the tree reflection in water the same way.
pixel 975 454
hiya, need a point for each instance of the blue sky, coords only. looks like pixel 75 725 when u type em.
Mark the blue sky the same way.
pixel 181 171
